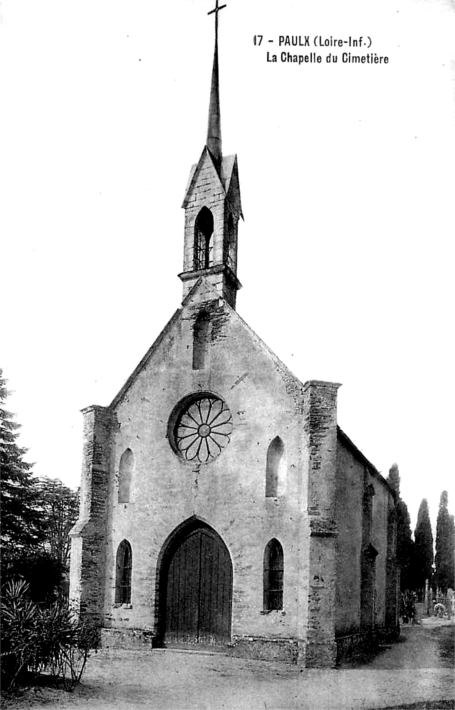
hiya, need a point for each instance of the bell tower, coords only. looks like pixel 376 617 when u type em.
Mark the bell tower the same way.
pixel 212 206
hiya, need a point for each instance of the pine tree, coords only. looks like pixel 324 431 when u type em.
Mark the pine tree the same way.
pixel 20 519
pixel 445 544
pixel 36 517
pixel 405 544
pixel 423 547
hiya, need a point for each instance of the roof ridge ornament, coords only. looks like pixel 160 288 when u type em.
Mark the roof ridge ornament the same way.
pixel 214 122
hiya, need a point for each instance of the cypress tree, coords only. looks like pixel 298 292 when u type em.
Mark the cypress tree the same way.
pixel 445 544
pixel 423 547
pixel 405 543
pixel 393 479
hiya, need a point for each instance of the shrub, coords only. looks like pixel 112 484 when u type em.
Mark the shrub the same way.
pixel 43 573
pixel 42 640
pixel 18 616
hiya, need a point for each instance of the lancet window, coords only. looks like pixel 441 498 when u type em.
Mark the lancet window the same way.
pixel 273 576
pixel 124 566
pixel 203 242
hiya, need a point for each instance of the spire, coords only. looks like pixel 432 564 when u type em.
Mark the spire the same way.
pixel 214 123
pixel 212 209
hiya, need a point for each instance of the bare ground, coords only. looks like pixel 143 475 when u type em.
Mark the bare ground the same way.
pixel 416 673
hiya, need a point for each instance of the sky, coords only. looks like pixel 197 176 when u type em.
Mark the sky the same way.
pixel 347 174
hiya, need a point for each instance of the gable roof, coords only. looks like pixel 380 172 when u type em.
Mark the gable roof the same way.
pixel 137 370
pixel 230 177
pixel 228 170
pixel 344 438
pixel 194 174
pixel 293 385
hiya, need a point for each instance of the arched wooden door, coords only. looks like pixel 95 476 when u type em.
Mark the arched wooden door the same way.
pixel 198 586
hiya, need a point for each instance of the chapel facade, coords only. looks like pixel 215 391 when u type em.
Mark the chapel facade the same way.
pixel 221 504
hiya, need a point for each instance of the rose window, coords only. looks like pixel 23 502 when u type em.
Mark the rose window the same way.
pixel 202 428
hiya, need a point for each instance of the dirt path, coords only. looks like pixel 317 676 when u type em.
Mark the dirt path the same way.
pixel 416 669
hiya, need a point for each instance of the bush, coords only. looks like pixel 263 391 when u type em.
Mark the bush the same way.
pixel 43 573
pixel 42 640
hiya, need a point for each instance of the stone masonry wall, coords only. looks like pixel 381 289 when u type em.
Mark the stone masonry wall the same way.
pixel 88 536
pixel 317 514
pixel 321 432
pixel 349 516
pixel 362 544
pixel 229 493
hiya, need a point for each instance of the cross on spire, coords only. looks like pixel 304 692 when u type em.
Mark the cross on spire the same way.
pixel 214 124
pixel 216 10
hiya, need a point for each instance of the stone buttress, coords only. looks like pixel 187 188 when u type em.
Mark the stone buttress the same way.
pixel 88 536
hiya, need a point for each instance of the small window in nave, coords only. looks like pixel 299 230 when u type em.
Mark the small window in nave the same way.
pixel 273 576
pixel 125 475
pixel 124 566
pixel 275 473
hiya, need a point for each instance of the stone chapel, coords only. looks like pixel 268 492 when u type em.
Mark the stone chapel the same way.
pixel 221 504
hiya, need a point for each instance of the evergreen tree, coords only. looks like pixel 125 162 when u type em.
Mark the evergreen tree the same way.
pixel 20 519
pixel 393 479
pixel 60 508
pixel 451 553
pixel 405 544
pixel 36 517
pixel 445 544
pixel 423 547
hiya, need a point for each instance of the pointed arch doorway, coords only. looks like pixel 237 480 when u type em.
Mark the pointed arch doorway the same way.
pixel 196 588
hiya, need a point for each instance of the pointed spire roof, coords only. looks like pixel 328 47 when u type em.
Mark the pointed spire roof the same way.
pixel 214 122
